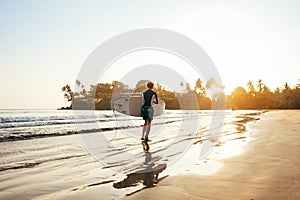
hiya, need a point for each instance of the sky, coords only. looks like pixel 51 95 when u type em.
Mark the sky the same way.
pixel 43 44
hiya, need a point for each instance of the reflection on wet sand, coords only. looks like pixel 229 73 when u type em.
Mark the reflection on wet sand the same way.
pixel 148 175
pixel 175 143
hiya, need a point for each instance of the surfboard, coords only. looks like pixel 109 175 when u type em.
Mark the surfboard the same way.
pixel 132 104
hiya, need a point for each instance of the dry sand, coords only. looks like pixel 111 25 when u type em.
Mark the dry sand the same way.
pixel 269 168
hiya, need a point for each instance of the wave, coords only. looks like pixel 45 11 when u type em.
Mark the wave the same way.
pixel 73 116
pixel 29 135
pixel 60 124
pixel 49 123
pixel 49 118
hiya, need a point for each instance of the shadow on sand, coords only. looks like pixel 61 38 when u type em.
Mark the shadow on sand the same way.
pixel 148 175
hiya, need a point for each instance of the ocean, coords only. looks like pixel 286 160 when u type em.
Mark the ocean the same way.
pixel 106 148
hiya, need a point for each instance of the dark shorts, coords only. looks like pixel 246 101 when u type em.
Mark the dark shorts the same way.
pixel 147 112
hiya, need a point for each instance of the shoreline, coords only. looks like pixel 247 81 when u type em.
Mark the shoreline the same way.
pixel 268 168
pixel 65 170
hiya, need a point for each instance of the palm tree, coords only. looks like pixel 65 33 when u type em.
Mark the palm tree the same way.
pixel 68 94
pixel 251 89
pixel 199 88
pixel 260 85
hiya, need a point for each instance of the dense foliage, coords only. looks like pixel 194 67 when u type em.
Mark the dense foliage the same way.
pixel 256 96
pixel 259 96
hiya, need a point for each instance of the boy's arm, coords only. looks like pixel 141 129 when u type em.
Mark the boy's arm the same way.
pixel 156 99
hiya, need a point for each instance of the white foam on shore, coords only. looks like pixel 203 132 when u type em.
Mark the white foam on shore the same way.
pixel 60 172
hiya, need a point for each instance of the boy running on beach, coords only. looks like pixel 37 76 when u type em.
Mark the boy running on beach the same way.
pixel 150 97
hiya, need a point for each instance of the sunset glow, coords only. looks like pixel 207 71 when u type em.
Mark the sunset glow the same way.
pixel 44 46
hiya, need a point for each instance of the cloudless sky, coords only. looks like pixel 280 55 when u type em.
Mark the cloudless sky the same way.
pixel 44 43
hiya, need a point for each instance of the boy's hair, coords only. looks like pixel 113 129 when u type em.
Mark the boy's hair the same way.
pixel 150 85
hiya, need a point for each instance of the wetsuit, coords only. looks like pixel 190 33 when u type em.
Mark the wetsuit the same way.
pixel 147 109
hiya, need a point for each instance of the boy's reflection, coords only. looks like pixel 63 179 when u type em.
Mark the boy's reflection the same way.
pixel 149 175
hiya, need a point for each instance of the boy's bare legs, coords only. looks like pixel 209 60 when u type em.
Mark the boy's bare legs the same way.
pixel 146 129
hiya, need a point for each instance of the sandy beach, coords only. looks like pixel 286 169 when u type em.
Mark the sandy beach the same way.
pixel 269 167
pixel 146 100
pixel 256 158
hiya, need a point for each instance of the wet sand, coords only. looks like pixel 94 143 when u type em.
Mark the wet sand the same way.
pixel 269 167
pixel 255 158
